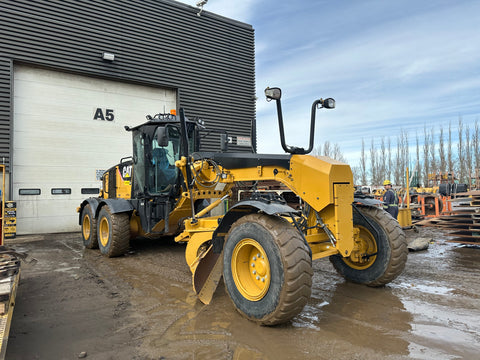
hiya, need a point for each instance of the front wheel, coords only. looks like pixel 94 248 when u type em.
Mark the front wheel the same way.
pixel 113 232
pixel 381 249
pixel 267 269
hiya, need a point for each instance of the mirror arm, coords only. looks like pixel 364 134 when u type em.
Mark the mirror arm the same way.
pixel 293 149
pixel 275 94
pixel 285 147
pixel 312 124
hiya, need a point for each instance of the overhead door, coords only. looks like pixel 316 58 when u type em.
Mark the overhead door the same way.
pixel 68 129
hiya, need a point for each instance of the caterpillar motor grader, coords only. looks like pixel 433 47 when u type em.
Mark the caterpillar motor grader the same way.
pixel 262 247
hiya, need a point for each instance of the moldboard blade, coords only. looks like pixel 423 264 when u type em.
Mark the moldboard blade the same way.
pixel 207 276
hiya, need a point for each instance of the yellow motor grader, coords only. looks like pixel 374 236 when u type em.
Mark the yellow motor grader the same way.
pixel 262 247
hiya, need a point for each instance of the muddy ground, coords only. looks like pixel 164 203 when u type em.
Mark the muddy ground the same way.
pixel 141 306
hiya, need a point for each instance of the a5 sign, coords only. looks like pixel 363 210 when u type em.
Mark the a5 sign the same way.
pixel 104 114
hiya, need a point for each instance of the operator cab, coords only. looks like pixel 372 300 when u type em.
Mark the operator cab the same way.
pixel 156 147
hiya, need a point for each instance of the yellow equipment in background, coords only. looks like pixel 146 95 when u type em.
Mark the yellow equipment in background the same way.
pixel 262 247
pixel 9 268
pixel 404 212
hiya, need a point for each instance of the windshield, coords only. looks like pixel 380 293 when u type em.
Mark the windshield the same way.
pixel 161 171
pixel 154 165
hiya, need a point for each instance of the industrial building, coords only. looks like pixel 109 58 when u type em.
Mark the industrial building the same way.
pixel 73 73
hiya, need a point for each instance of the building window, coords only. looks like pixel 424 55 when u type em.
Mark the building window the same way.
pixel 90 191
pixel 29 192
pixel 61 191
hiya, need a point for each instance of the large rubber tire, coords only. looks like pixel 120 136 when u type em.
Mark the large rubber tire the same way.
pixel 284 265
pixel 89 228
pixel 113 231
pixel 385 249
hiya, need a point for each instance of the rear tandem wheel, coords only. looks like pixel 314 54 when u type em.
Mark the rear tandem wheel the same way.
pixel 113 232
pixel 89 228
pixel 267 269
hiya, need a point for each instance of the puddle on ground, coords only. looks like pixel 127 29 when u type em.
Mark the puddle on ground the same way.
pixel 425 288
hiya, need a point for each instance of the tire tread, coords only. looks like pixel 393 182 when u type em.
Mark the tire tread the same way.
pixel 91 243
pixel 297 264
pixel 120 239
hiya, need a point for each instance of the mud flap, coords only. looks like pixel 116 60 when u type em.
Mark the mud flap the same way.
pixel 207 275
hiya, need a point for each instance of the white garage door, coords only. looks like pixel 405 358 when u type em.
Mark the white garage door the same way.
pixel 68 128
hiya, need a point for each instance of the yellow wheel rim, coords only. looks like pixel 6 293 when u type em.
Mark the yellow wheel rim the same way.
pixel 86 227
pixel 363 256
pixel 104 231
pixel 250 269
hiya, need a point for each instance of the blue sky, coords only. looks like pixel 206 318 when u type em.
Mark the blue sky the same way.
pixel 390 65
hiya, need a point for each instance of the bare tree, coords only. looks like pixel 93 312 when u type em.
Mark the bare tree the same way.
pixel 476 146
pixel 373 164
pixel 460 151
pixel 417 165
pixel 406 155
pixel 426 156
pixel 363 165
pixel 390 164
pixel 449 153
pixel 397 173
pixel 356 175
pixel 461 158
pixel 337 153
pixel 468 156
pixel 327 149
pixel 441 153
pixel 382 166
pixel 433 157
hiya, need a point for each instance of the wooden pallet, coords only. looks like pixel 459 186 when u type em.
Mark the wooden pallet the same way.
pixel 9 279
pixel 463 241
pixel 463 224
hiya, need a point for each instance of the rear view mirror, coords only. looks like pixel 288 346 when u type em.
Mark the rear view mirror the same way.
pixel 162 136
pixel 273 93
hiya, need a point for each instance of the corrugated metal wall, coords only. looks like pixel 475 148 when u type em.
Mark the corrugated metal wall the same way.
pixel 210 59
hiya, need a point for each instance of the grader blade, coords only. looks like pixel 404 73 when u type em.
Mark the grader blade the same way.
pixel 207 275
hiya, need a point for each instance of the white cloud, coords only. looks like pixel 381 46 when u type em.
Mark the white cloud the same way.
pixel 240 10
